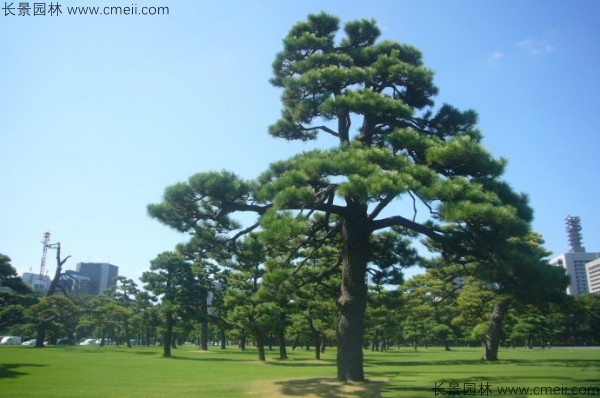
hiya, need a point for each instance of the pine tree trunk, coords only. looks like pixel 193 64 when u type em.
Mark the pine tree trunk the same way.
pixel 40 335
pixel 260 344
pixel 243 342
pixel 126 324
pixel 352 300
pixel 204 323
pixel 168 336
pixel 375 342
pixel 223 338
pixel 491 341
pixel 204 335
pixel 317 338
pixel 282 349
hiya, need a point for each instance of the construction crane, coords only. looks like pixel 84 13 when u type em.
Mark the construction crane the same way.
pixel 46 243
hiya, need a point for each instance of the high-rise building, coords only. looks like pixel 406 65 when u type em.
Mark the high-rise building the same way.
pixel 593 276
pixel 102 275
pixel 575 260
pixel 575 263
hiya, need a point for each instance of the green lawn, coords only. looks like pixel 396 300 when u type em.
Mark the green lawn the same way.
pixel 143 372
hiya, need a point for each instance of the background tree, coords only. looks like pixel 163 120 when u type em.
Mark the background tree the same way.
pixel 528 326
pixel 9 278
pixel 315 317
pixel 391 252
pixel 51 314
pixel 146 318
pixel 474 304
pixel 303 260
pixel 577 320
pixel 248 311
pixel 124 292
pixel 520 274
pixel 169 278
pixel 15 295
pixel 513 269
pixel 217 311
pixel 275 290
pixel 203 252
pixel 403 149
pixel 382 316
pixel 430 302
pixel 106 317
pixel 591 305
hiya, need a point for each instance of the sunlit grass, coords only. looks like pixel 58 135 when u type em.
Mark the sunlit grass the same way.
pixel 143 372
pixel 417 374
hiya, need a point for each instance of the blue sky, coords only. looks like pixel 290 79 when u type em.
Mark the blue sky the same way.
pixel 100 113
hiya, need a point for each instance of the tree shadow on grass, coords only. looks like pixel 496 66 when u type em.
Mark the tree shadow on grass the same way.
pixel 12 371
pixel 571 363
pixel 251 361
pixel 179 358
pixel 147 353
pixel 458 362
pixel 328 388
pixel 301 363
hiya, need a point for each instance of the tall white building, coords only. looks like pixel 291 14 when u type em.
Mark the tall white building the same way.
pixel 575 263
pixel 575 260
pixel 593 276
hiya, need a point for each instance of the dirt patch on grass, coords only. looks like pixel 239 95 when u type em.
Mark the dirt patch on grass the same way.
pixel 315 388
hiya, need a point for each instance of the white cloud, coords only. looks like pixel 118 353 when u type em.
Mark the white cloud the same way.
pixel 525 43
pixel 496 56
pixel 536 46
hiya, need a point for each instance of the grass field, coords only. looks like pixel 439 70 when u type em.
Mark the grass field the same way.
pixel 143 372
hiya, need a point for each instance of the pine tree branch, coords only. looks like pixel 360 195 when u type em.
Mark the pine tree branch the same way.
pixel 322 128
pixel 380 206
pixel 405 222
pixel 233 207
pixel 244 232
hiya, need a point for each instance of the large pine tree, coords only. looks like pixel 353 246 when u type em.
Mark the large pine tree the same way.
pixel 390 145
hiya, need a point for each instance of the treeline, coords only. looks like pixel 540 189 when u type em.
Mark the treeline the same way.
pixel 245 304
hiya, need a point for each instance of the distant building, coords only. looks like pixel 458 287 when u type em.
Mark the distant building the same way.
pixel 101 275
pixel 37 283
pixel 575 260
pixel 72 282
pixel 575 263
pixel 593 276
